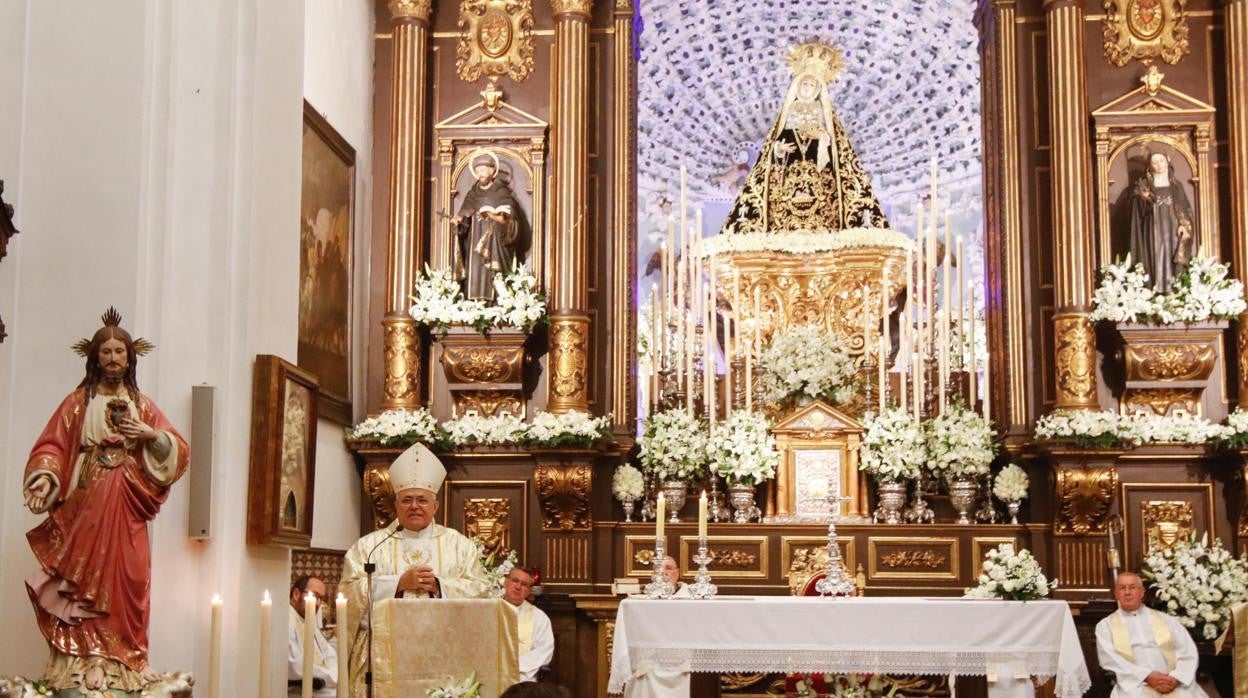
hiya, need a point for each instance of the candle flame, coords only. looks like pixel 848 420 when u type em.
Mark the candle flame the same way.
pixel 216 598
pixel 341 597
pixel 267 598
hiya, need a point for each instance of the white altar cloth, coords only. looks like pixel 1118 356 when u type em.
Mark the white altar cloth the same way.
pixel 967 637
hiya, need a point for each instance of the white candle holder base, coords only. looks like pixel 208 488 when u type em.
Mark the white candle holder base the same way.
pixel 659 587
pixel 702 587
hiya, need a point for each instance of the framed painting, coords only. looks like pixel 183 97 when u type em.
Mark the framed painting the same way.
pixel 326 236
pixel 283 453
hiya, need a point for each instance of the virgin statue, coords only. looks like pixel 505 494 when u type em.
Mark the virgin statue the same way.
pixel 1162 230
pixel 807 177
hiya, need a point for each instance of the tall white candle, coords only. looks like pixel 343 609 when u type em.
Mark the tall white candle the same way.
pixel 886 321
pixel 730 322
pixel 945 306
pixel 679 334
pixel 960 307
pixel 660 516
pixel 883 376
pixel 266 616
pixel 344 648
pixel 214 649
pixel 974 360
pixel 702 515
pixel 309 642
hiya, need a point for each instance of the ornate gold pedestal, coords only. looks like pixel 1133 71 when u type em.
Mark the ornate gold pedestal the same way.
pixel 1166 369
pixel 483 373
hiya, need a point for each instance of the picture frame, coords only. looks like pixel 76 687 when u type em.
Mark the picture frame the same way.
pixel 326 263
pixel 282 476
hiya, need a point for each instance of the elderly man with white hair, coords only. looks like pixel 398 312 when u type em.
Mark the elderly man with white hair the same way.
pixel 1150 653
pixel 413 556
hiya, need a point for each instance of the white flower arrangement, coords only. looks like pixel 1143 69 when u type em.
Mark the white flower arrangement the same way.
pixel 1235 435
pixel 1203 292
pixel 844 686
pixel 1110 430
pixel 1013 576
pixel 468 688
pixel 399 427
pixel 495 570
pixel 475 430
pixel 1197 584
pixel 807 241
pixel 627 484
pixel 673 446
pixel 804 360
pixel 1011 484
pixel 574 428
pixel 743 449
pixel 439 303
pixel 959 443
pixel 893 448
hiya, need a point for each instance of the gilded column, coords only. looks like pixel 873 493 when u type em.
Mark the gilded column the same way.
pixel 1071 163
pixel 1237 122
pixel 623 221
pixel 569 321
pixel 408 114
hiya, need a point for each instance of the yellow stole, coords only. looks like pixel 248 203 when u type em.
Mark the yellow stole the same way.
pixel 1161 635
pixel 524 627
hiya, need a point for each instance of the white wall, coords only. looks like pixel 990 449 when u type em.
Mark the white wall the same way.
pixel 152 150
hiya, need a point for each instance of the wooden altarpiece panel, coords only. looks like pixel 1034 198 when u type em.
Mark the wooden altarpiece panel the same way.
pixel 1151 118
pixel 816 441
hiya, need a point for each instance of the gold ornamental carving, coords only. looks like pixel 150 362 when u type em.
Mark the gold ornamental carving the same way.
pixel 644 557
pixel 489 521
pixel 1162 401
pixel 377 488
pixel 402 363
pixel 1170 362
pixel 914 558
pixel 1084 496
pixel 1241 343
pixel 733 558
pixel 488 403
pixel 495 38
pixel 1165 523
pixel 483 364
pixel 1075 361
pixel 1145 30
pixel 563 491
pixel 576 7
pixel 569 350
pixel 411 9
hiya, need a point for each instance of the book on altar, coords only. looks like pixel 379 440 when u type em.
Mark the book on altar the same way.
pixel 625 586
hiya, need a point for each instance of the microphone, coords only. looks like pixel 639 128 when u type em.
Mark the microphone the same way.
pixel 369 568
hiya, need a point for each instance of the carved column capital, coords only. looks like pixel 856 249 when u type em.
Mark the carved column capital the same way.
pixel 564 8
pixel 401 10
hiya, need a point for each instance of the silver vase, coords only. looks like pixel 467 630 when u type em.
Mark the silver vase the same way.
pixel 962 496
pixel 628 510
pixel 892 500
pixel 674 492
pixel 741 496
pixel 1013 508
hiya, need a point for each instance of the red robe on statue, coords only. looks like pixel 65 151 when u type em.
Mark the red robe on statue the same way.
pixel 92 593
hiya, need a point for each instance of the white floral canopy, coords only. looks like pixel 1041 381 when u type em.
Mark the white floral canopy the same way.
pixel 712 77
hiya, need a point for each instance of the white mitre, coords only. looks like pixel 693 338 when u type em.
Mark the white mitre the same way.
pixel 417 468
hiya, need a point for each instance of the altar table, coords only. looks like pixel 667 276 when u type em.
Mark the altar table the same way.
pixel 1003 640
pixel 421 644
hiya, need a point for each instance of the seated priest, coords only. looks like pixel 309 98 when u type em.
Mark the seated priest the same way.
pixel 671 573
pixel 413 556
pixel 537 640
pixel 325 663
pixel 1149 652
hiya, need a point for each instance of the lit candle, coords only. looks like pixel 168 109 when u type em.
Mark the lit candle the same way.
pixel 309 642
pixel 702 515
pixel 974 360
pixel 961 308
pixel 660 515
pixel 214 649
pixel 344 649
pixel 266 615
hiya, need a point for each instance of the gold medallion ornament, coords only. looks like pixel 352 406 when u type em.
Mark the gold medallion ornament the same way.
pixel 1145 30
pixel 495 38
pixel 1076 361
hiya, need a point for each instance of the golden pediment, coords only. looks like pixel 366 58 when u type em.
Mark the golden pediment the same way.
pixel 1151 97
pixel 817 418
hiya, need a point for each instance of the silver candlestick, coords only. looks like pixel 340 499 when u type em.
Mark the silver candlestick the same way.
pixel 836 580
pixel 659 587
pixel 702 587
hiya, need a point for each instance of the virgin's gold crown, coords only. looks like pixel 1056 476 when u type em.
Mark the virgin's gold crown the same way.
pixel 820 59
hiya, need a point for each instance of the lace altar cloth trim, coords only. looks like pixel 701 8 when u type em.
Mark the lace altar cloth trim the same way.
pixel 917 636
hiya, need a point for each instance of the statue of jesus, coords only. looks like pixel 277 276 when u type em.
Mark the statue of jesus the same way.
pixel 100 471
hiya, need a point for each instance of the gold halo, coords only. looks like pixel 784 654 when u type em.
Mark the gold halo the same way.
pixel 823 60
